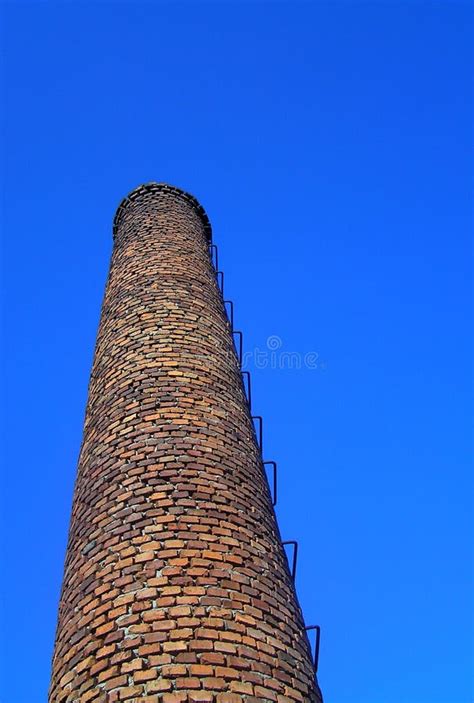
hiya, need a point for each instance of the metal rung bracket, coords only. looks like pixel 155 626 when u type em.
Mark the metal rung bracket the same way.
pixel 231 317
pixel 295 556
pixel 249 388
pixel 273 463
pixel 215 258
pixel 241 345
pixel 260 430
pixel 316 645
pixel 221 284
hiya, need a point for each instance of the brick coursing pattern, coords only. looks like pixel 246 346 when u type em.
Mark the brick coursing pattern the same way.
pixel 176 587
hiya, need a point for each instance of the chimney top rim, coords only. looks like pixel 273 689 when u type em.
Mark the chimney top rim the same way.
pixel 154 187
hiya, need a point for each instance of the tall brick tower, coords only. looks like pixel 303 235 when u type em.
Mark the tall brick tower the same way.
pixel 176 585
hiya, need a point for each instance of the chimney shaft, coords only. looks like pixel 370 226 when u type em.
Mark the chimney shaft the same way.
pixel 176 586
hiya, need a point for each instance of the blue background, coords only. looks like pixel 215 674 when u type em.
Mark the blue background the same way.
pixel 330 145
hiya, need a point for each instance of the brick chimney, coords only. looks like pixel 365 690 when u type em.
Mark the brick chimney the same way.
pixel 176 586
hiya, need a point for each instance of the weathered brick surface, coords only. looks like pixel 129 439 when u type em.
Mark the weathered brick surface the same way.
pixel 176 587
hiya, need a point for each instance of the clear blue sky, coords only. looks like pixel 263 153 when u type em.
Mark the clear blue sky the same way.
pixel 330 145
